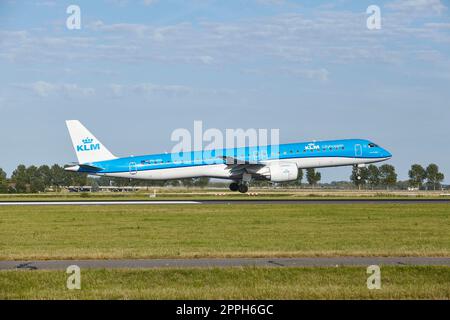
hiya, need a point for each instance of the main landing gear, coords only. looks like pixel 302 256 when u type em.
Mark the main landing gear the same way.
pixel 234 186
pixel 241 187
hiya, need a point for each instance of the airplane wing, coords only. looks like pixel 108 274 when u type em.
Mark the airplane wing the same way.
pixel 235 161
pixel 238 166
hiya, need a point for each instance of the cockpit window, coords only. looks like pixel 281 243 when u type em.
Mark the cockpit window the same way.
pixel 373 145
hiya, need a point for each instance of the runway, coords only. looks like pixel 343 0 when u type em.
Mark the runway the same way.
pixel 229 262
pixel 221 201
pixel 91 203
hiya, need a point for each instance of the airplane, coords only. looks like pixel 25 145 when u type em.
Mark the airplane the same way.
pixel 275 163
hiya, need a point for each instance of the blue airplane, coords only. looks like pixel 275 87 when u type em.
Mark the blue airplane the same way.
pixel 275 163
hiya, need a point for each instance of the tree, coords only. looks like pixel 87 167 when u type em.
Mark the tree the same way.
pixel 359 176
pixel 46 176
pixel 93 182
pixel 35 180
pixel 434 177
pixel 3 182
pixel 312 176
pixel 20 178
pixel 174 183
pixel 417 175
pixel 373 176
pixel 201 182
pixel 299 178
pixel 58 176
pixel 388 177
pixel 187 182
pixel 77 179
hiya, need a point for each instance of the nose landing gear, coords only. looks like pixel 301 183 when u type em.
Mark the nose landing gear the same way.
pixel 358 167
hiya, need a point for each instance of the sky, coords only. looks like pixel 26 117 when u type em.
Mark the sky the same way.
pixel 138 70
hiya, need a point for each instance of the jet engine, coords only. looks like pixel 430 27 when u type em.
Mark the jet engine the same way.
pixel 280 172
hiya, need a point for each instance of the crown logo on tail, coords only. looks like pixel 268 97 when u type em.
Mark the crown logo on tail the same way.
pixel 87 140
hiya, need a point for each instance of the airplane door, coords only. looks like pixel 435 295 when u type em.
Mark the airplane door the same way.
pixel 133 168
pixel 358 150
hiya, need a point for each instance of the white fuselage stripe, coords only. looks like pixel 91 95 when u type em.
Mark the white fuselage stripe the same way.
pixel 222 171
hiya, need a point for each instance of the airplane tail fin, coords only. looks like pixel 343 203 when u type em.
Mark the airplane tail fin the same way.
pixel 87 147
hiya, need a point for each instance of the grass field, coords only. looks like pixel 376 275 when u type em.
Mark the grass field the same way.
pixel 225 194
pixel 230 283
pixel 224 231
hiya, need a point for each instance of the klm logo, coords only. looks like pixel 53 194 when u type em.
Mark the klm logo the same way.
pixel 88 145
pixel 312 146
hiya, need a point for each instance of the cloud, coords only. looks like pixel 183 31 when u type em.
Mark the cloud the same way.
pixel 126 2
pixel 171 90
pixel 46 89
pixel 116 89
pixel 148 89
pixel 149 2
pixel 118 2
pixel 42 88
pixel 270 2
pixel 437 25
pixel 425 6
pixel 320 37
pixel 320 74
pixel 432 56
pixel 206 59
pixel 48 3
pixel 75 91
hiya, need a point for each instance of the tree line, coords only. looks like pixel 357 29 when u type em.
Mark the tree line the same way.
pixel 385 176
pixel 33 179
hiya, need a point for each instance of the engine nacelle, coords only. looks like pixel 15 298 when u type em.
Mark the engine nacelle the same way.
pixel 280 172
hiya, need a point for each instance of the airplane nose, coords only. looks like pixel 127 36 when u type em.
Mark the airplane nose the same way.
pixel 387 154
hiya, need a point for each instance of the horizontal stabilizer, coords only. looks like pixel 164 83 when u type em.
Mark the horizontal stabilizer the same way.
pixel 84 167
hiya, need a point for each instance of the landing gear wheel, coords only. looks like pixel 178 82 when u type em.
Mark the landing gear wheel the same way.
pixel 234 186
pixel 243 188
pixel 358 172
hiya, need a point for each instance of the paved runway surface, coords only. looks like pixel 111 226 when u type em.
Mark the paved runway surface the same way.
pixel 90 203
pixel 231 262
pixel 249 201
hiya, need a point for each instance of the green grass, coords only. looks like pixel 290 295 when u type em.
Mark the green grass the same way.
pixel 156 231
pixel 212 194
pixel 230 283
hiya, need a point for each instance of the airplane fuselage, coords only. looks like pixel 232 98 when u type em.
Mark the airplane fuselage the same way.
pixel 252 160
